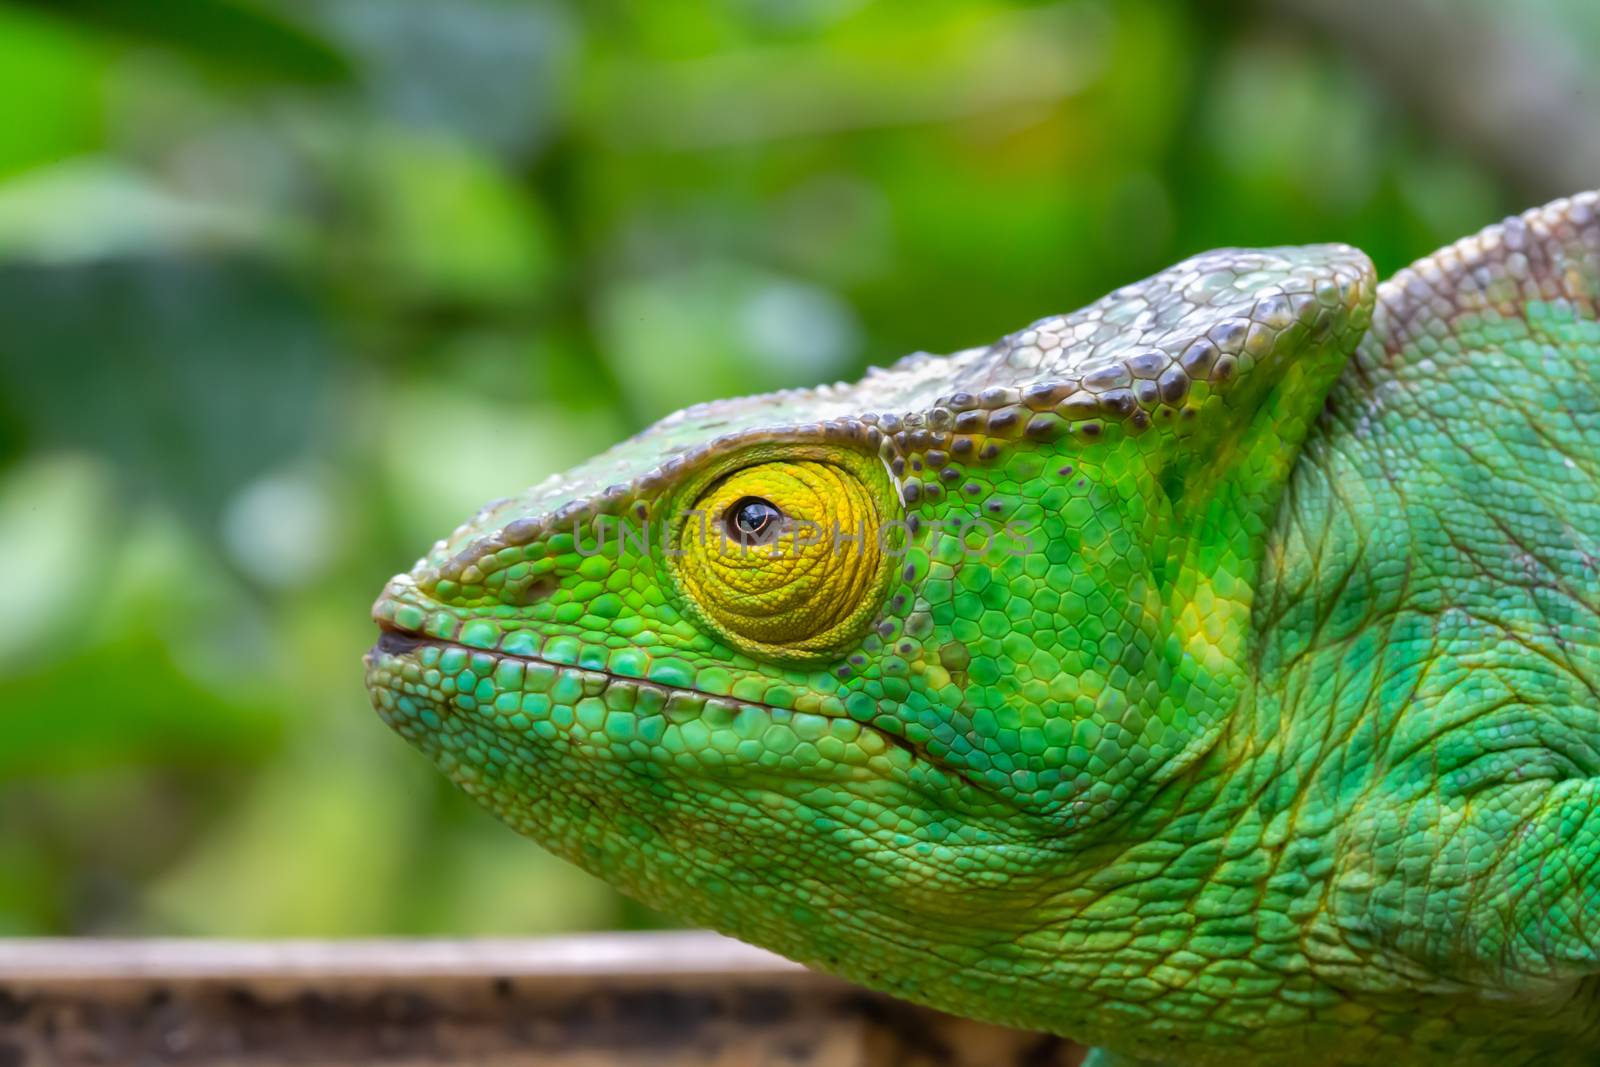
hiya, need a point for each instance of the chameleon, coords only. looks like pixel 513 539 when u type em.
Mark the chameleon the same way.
pixel 1209 675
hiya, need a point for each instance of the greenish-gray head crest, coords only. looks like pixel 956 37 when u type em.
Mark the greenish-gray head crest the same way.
pixel 1153 353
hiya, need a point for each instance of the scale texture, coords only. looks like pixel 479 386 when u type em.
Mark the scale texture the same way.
pixel 1211 674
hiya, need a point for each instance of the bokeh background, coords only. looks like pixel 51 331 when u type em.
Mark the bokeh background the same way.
pixel 288 288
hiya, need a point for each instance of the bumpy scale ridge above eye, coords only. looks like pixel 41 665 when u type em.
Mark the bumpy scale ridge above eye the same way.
pixel 1136 356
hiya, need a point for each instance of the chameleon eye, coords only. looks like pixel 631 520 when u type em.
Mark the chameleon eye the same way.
pixel 752 521
pixel 784 558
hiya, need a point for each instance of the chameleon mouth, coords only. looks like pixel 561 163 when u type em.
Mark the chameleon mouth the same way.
pixel 401 644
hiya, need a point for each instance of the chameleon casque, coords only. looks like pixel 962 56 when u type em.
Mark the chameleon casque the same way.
pixel 1211 675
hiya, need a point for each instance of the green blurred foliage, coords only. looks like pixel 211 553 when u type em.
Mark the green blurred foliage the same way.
pixel 289 288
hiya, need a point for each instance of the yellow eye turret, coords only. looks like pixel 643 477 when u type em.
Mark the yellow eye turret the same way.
pixel 786 558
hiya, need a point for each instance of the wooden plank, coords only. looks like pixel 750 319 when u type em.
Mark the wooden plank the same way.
pixel 666 953
pixel 614 1000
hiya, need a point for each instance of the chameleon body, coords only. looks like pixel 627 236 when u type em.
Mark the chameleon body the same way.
pixel 1211 675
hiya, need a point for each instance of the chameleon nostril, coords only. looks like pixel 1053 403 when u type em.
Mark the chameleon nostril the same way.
pixel 537 590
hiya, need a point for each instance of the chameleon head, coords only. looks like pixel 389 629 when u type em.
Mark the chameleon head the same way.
pixel 834 669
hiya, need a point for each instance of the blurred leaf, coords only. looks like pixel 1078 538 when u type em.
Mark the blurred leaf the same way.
pixel 1293 129
pixel 452 227
pixel 477 877
pixel 124 703
pixel 193 377
pixel 54 511
pixel 230 35
pixel 720 329
pixel 76 848
pixel 1000 61
pixel 486 70
pixel 95 208
pixel 308 852
pixel 61 76
pixel 446 452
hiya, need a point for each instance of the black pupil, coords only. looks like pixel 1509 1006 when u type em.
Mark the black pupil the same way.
pixel 753 517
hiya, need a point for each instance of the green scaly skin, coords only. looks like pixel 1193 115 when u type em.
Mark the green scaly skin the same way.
pixel 1265 729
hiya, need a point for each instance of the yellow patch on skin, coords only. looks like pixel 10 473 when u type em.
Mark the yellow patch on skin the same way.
pixel 797 588
pixel 1210 627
